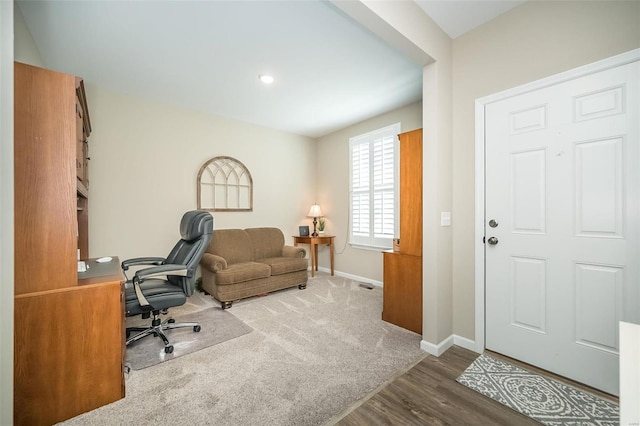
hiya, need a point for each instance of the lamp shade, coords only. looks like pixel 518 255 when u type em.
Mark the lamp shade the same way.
pixel 315 211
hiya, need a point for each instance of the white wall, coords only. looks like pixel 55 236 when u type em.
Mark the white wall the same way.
pixel 6 213
pixel 145 158
pixel 26 50
pixel 412 25
pixel 333 191
pixel 532 41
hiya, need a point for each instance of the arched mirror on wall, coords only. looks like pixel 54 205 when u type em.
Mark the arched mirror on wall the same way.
pixel 225 184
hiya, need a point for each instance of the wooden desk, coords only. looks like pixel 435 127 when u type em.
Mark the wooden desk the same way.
pixel 314 242
pixel 69 347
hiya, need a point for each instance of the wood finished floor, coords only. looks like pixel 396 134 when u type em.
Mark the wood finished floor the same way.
pixel 428 394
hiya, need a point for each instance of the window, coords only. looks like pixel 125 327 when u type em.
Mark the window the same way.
pixel 373 188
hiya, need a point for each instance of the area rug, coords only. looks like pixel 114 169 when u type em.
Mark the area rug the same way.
pixel 312 354
pixel 217 326
pixel 545 400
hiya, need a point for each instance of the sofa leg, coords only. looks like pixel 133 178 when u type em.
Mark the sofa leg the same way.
pixel 226 305
pixel 302 286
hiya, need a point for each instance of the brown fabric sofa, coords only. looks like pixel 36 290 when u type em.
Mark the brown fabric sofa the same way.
pixel 241 263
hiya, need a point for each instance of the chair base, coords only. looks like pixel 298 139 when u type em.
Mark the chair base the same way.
pixel 158 328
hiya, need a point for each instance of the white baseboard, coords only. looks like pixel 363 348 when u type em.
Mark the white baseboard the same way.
pixel 352 277
pixel 440 348
pixel 463 342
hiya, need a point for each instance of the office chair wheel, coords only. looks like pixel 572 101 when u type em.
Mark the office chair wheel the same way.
pixel 168 349
pixel 171 320
pixel 196 328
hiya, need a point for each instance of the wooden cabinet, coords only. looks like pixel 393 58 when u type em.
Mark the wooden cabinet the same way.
pixel 48 193
pixel 402 303
pixel 83 130
pixel 45 179
pixel 411 192
pixel 68 334
pixel 402 289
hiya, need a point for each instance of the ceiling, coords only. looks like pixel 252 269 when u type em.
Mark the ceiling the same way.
pixel 330 72
pixel 457 17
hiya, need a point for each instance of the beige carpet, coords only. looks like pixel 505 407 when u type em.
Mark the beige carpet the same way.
pixel 312 354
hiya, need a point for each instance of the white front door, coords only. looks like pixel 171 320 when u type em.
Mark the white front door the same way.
pixel 563 208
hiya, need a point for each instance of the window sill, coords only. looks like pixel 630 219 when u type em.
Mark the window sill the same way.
pixel 370 248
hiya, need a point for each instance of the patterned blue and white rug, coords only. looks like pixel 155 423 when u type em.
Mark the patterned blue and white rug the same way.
pixel 543 399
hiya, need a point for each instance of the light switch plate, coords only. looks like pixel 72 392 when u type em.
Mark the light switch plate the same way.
pixel 445 218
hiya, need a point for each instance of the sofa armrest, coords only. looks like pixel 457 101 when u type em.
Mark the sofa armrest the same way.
pixel 213 262
pixel 291 251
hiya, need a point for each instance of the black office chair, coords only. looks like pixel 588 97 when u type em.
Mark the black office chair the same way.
pixel 147 295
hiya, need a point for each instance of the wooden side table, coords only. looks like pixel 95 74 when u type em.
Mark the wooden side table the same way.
pixel 314 242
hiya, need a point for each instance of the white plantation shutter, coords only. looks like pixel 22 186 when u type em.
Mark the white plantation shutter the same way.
pixel 374 176
pixel 360 184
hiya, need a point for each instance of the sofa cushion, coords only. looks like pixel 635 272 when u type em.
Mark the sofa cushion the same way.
pixel 234 245
pixel 267 242
pixel 241 272
pixel 284 265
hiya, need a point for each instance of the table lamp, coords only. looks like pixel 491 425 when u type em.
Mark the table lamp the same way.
pixel 315 212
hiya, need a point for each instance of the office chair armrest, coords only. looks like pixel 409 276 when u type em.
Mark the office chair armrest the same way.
pixel 142 261
pixel 213 263
pixel 142 301
pixel 162 270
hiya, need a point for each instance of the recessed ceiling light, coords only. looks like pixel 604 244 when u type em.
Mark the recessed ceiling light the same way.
pixel 266 79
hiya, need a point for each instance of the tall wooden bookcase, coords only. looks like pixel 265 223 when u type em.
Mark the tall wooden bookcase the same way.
pixel 402 291
pixel 68 333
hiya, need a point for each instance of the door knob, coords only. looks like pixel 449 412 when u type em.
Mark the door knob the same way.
pixel 493 241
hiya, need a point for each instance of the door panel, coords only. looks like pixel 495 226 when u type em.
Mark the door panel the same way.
pixel 562 182
pixel 528 205
pixel 599 188
pixel 598 288
pixel 528 293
